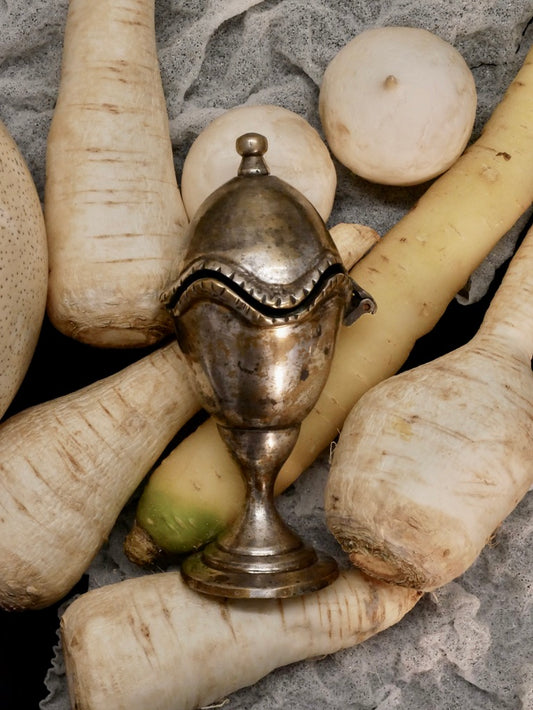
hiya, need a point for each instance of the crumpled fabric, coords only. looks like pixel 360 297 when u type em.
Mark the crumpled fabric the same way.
pixel 469 644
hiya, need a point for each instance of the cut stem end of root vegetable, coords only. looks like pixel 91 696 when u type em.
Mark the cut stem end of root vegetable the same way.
pixel 375 560
pixel 140 548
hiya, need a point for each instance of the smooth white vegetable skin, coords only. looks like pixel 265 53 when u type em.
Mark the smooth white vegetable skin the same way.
pixel 68 466
pixel 114 215
pixel 82 457
pixel 296 153
pixel 430 462
pixel 397 105
pixel 23 268
pixel 151 642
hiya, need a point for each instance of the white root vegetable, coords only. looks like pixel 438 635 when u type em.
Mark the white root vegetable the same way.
pixel 181 509
pixel 296 154
pixel 431 461
pixel 68 466
pixel 397 105
pixel 23 268
pixel 113 210
pixel 353 241
pixel 151 642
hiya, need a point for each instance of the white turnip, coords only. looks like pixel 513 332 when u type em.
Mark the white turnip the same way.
pixel 397 105
pixel 296 154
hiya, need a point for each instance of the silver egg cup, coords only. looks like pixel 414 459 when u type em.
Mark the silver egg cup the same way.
pixel 257 306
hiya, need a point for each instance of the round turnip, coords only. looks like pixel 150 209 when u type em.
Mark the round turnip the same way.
pixel 296 154
pixel 397 105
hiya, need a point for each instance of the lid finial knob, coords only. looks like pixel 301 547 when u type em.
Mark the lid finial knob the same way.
pixel 252 147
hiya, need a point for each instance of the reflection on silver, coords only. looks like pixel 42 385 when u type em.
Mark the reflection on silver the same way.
pixel 257 307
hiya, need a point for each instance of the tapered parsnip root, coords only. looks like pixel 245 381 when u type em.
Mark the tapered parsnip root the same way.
pixel 151 642
pixel 23 268
pixel 413 273
pixel 67 467
pixel 430 462
pixel 180 509
pixel 114 214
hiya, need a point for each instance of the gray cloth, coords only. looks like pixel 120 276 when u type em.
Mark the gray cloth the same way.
pixel 469 644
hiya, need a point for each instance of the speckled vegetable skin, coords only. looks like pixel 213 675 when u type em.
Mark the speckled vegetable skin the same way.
pixel 413 273
pixel 114 214
pixel 151 642
pixel 430 462
pixel 23 268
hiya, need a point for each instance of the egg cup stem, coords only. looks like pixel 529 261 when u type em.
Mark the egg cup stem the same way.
pixel 260 555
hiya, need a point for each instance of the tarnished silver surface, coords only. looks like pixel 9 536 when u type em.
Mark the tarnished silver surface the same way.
pixel 257 307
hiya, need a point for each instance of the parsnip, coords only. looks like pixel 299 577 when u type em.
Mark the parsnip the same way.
pixel 68 466
pixel 413 273
pixel 178 512
pixel 431 461
pixel 113 210
pixel 23 268
pixel 151 642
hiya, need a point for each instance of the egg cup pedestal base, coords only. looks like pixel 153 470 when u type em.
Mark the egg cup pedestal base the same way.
pixel 206 572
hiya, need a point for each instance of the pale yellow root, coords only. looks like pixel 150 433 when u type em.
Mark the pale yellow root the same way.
pixel 151 642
